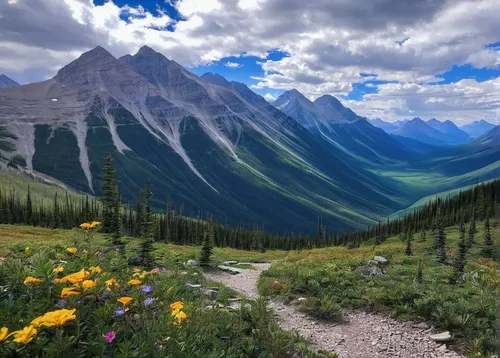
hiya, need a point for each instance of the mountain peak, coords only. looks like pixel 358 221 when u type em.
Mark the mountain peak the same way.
pixel 146 50
pixel 216 79
pixel 7 82
pixel 96 58
pixel 327 99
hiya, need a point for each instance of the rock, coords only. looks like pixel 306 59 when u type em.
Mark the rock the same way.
pixel 381 260
pixel 195 273
pixel 184 273
pixel 230 263
pixel 301 299
pixel 193 285
pixel 367 271
pixel 442 348
pixel 231 270
pixel 212 294
pixel 441 337
pixel 421 325
pixel 237 299
pixel 192 263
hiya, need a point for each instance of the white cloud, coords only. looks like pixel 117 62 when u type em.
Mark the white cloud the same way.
pixel 329 42
pixel 269 97
pixel 233 65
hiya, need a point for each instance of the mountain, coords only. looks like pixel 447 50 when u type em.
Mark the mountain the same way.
pixel 421 131
pixel 477 128
pixel 351 137
pixel 206 143
pixel 450 129
pixel 388 127
pixel 6 82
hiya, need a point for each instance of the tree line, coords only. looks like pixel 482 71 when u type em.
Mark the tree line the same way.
pixel 172 226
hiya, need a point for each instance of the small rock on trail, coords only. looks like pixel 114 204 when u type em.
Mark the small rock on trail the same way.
pixel 363 335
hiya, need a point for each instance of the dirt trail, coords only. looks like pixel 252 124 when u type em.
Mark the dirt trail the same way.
pixel 363 335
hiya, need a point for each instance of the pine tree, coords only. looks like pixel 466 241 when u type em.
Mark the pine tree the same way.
pixel 408 250
pixel 147 229
pixel 207 246
pixel 420 272
pixel 480 207
pixel 440 240
pixel 487 249
pixel 116 227
pixel 56 222
pixel 460 257
pixel 471 238
pixel 110 195
pixel 29 208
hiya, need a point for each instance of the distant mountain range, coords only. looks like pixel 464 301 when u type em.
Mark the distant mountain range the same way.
pixel 477 128
pixel 6 82
pixel 433 131
pixel 215 146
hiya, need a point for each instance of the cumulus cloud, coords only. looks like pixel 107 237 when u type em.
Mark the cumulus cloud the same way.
pixel 233 64
pixel 269 97
pixel 330 42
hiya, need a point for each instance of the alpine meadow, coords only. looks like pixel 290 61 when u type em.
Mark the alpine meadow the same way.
pixel 249 178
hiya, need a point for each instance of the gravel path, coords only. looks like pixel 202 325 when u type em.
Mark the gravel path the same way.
pixel 363 335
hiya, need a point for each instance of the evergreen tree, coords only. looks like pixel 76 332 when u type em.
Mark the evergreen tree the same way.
pixel 408 250
pixel 207 246
pixel 116 226
pixel 110 195
pixel 29 208
pixel 440 240
pixel 55 214
pixel 487 249
pixel 420 272
pixel 471 238
pixel 147 229
pixel 460 259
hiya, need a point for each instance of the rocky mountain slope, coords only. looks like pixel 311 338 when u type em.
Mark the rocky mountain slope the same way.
pixel 450 129
pixel 211 147
pixel 6 82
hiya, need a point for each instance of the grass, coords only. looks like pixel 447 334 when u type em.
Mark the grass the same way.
pixel 95 322
pixel 327 278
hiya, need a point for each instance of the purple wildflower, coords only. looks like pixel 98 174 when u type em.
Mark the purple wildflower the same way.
pixel 61 303
pixel 110 336
pixel 148 301
pixel 147 289
pixel 119 311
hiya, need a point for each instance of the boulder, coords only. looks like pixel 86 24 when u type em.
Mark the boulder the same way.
pixel 230 263
pixel 193 285
pixel 441 337
pixel 231 270
pixel 192 263
pixel 380 260
pixel 212 294
pixel 367 271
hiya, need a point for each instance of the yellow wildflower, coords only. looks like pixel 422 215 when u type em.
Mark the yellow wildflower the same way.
pixel 55 318
pixel 25 335
pixel 134 282
pixel 180 316
pixel 94 224
pixel 31 280
pixel 95 269
pixel 72 250
pixel 136 270
pixel 27 250
pixel 125 300
pixel 85 226
pixel 76 277
pixel 177 305
pixel 87 284
pixel 58 268
pixel 112 283
pixel 4 333
pixel 69 291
